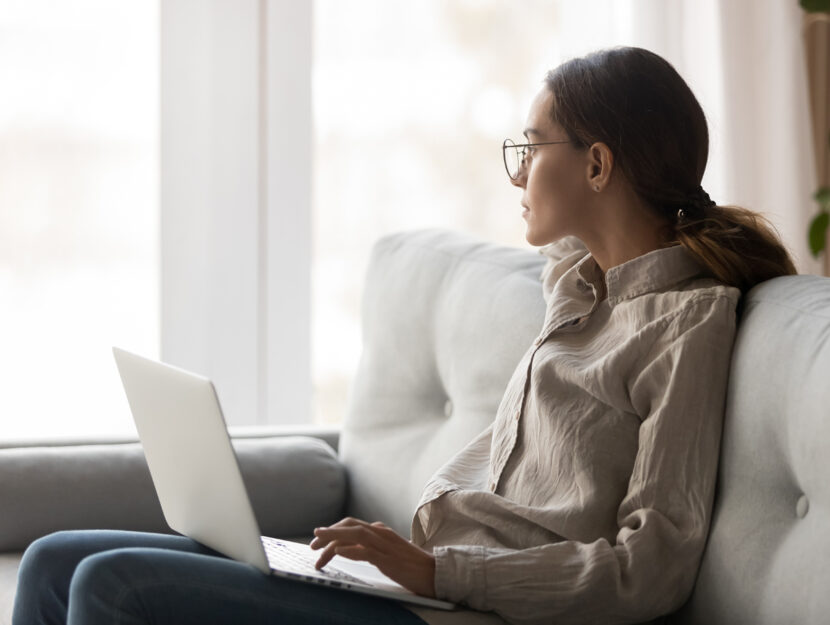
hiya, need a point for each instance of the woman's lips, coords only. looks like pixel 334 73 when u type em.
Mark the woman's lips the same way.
pixel 526 211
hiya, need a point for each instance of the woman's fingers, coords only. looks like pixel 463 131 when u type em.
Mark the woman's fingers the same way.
pixel 348 532
pixel 395 556
pixel 326 556
pixel 360 532
pixel 347 522
pixel 354 552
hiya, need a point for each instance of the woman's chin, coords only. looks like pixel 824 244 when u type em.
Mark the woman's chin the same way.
pixel 534 239
pixel 538 239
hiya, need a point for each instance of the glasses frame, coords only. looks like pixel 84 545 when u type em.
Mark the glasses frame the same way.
pixel 524 147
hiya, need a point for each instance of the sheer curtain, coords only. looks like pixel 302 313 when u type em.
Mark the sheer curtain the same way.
pixel 767 139
pixel 744 59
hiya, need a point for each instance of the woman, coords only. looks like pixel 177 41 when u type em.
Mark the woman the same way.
pixel 588 500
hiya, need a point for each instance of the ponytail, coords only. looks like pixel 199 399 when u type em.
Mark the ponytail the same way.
pixel 735 245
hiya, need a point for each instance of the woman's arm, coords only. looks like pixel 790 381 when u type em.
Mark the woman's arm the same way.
pixel 397 558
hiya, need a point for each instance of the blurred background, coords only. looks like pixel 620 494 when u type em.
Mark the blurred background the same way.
pixel 407 107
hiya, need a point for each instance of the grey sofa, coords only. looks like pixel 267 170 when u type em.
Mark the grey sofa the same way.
pixel 445 320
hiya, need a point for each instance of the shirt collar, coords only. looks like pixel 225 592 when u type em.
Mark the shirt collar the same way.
pixel 654 271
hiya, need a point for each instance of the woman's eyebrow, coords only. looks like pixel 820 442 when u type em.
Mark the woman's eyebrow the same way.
pixel 530 131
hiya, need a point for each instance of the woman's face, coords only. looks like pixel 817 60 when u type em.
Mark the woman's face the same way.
pixel 554 178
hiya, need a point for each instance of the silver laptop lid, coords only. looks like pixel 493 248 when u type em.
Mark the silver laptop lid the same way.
pixel 199 486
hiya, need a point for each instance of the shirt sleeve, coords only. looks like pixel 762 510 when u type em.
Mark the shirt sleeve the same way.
pixel 466 470
pixel 649 570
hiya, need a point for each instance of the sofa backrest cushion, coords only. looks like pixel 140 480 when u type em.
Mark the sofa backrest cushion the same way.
pixel 446 319
pixel 108 486
pixel 767 560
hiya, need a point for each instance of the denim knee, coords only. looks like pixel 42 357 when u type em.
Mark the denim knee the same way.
pixel 105 586
pixel 43 577
pixel 47 558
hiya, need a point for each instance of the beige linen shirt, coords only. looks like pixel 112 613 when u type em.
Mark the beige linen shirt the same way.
pixel 588 500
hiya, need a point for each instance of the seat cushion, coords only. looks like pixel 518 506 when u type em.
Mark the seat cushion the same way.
pixel 767 560
pixel 446 319
pixel 8 582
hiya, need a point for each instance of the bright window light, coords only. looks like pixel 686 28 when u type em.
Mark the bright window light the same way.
pixel 412 101
pixel 78 210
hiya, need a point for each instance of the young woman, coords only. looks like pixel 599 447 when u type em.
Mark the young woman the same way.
pixel 588 500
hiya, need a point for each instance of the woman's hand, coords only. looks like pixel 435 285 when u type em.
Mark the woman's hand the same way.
pixel 396 557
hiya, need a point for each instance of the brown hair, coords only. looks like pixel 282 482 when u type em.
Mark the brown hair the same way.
pixel 636 103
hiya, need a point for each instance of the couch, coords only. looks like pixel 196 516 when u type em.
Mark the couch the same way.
pixel 445 320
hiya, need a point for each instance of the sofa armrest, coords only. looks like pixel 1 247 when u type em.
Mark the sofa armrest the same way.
pixel 327 433
pixel 295 483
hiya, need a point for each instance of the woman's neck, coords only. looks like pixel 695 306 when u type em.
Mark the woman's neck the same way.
pixel 625 229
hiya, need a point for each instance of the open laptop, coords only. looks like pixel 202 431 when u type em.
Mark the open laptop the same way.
pixel 199 484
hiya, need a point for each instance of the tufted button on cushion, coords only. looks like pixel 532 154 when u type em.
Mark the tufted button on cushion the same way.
pixel 802 507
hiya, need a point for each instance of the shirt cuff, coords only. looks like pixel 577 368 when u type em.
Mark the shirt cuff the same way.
pixel 459 575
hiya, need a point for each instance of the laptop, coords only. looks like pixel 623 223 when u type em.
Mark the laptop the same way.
pixel 199 484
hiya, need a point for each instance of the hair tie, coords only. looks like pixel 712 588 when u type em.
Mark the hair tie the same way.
pixel 700 200
pixel 696 204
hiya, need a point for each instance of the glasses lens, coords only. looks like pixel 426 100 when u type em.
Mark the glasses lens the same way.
pixel 512 158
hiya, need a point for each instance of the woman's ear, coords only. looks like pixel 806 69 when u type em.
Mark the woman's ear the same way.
pixel 600 166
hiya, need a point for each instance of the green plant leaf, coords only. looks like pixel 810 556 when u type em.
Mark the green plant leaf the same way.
pixel 815 6
pixel 822 196
pixel 818 232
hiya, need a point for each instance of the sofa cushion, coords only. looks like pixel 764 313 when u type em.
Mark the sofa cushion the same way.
pixel 44 489
pixel 768 556
pixel 9 563
pixel 446 318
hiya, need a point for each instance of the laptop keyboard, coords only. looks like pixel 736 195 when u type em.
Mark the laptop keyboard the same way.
pixel 282 557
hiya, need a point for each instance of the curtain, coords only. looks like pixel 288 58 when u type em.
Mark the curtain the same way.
pixel 817 48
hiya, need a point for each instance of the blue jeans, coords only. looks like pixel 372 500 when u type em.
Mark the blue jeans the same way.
pixel 111 577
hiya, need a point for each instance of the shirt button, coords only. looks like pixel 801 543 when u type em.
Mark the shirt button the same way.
pixel 518 415
pixel 493 486
pixel 538 342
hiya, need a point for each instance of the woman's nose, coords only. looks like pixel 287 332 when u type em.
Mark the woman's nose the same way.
pixel 521 179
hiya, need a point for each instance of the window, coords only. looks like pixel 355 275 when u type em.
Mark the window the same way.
pixel 78 210
pixel 412 101
pixel 293 135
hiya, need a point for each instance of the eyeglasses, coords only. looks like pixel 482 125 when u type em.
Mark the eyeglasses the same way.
pixel 516 153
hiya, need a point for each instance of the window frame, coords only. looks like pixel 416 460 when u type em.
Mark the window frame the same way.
pixel 236 202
